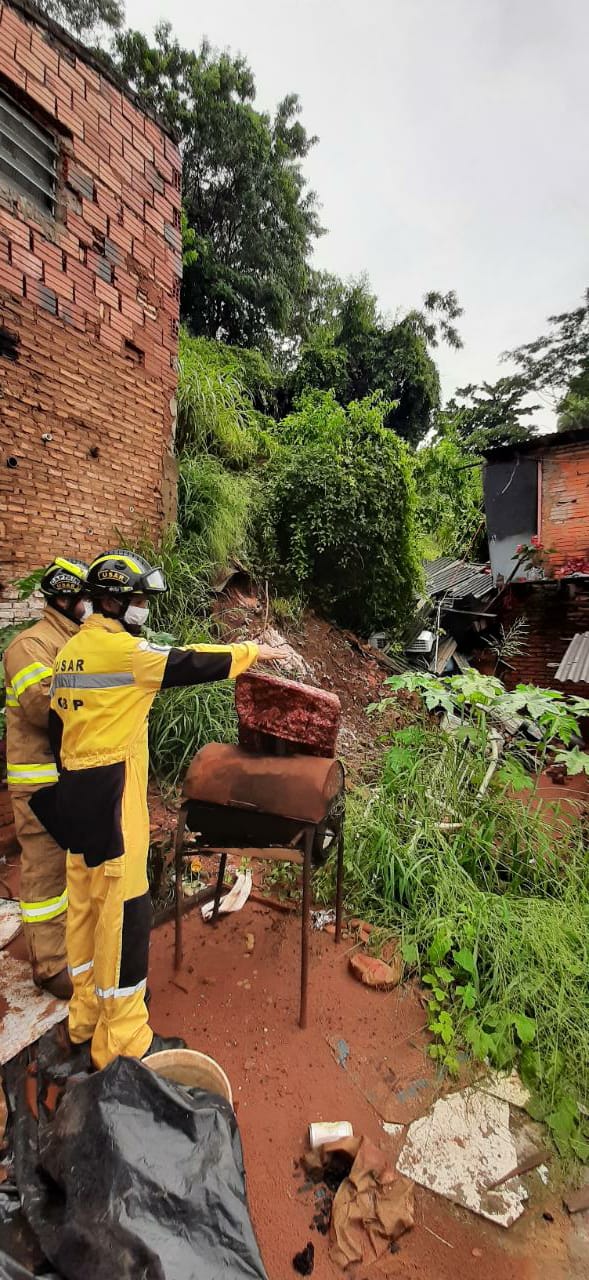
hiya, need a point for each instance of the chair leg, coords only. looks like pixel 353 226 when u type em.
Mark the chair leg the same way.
pixel 219 888
pixel 178 890
pixel 339 890
pixel 305 925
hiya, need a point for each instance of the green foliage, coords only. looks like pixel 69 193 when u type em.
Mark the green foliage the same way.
pixel 216 389
pixel 449 499
pixel 489 415
pixel 184 720
pixel 495 913
pixel 354 352
pixel 335 518
pixel 213 514
pixel 245 196
pixel 559 359
pixel 85 17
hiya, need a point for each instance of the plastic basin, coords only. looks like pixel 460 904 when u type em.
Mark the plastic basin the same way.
pixel 193 1069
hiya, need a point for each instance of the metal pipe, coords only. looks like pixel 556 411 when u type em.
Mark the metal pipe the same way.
pixel 305 914
pixel 178 890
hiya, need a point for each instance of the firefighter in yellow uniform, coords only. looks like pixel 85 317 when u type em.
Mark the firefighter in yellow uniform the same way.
pixel 104 683
pixel 28 666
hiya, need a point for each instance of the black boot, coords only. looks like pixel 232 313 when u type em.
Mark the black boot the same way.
pixel 159 1044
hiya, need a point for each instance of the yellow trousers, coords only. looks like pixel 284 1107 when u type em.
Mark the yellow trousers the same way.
pixel 108 927
pixel 42 891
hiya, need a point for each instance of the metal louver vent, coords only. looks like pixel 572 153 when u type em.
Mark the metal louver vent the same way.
pixel 28 154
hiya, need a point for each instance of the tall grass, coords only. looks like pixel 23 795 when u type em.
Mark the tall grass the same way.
pixel 511 885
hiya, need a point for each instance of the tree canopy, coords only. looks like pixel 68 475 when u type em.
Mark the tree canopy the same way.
pixel 245 195
pixel 84 18
pixel 354 352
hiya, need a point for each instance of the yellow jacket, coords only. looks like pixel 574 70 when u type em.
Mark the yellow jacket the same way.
pixel 103 686
pixel 28 668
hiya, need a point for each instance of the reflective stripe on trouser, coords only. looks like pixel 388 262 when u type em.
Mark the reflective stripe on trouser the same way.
pixel 42 890
pixel 108 924
pixel 30 775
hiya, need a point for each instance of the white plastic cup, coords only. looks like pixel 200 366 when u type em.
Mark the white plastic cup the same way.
pixel 329 1131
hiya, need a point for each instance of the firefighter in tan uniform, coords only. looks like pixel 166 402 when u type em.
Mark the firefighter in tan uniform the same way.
pixel 104 683
pixel 28 666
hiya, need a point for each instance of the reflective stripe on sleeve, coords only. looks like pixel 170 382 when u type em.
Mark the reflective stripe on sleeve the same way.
pixel 105 993
pixel 76 969
pixel 35 774
pixel 102 680
pixel 28 676
pixel 11 698
pixel 47 910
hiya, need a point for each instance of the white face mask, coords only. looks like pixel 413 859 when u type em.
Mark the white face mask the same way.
pixel 136 615
pixel 87 612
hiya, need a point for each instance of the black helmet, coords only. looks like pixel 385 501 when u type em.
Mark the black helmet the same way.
pixel 123 573
pixel 64 578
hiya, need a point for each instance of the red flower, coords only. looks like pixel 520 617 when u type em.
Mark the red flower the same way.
pixel 518 548
pixel 535 541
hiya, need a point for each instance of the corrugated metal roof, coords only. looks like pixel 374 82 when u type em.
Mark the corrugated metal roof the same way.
pixel 575 664
pixel 457 578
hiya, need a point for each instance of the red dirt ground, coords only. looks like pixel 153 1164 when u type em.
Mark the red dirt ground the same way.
pixel 243 1011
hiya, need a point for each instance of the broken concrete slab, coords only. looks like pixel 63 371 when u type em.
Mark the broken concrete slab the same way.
pixel 10 920
pixel 509 1087
pixel 25 1011
pixel 460 1148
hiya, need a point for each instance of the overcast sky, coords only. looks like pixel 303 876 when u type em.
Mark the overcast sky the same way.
pixel 453 146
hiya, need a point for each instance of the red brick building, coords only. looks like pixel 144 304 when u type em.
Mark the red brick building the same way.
pixel 540 490
pixel 90 267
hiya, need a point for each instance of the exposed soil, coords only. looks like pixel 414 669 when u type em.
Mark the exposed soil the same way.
pixel 242 1009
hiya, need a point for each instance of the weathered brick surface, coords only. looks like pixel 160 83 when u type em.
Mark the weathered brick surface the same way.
pixel 555 612
pixel 286 712
pixel 90 298
pixel 565 506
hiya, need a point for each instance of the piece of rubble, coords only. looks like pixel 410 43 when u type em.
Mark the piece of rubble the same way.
pixel 460 1148
pixel 377 973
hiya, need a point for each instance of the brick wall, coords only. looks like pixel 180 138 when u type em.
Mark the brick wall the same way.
pixel 88 314
pixel 565 506
pixel 555 612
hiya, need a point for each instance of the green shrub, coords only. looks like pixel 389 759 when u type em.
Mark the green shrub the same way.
pixel 449 491
pixel 335 518
pixel 221 391
pixel 213 513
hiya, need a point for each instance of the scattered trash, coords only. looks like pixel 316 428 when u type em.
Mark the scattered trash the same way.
pixel 543 1174
pixel 319 919
pixel 460 1148
pixel 372 1207
pixel 250 942
pixel 304 1261
pixel 235 899
pixel 10 921
pixel 292 662
pixel 392 1129
pixel 377 973
pixel 115 1136
pixel 28 1012
pixel 576 1201
pixel 329 1131
pixel 342 1052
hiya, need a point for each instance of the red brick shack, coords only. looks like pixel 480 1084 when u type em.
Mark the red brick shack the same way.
pixel 90 267
pixel 540 490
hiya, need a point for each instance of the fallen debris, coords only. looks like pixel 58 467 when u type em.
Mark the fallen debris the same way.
pixel 10 921
pixel 304 1261
pixel 234 900
pixel 377 973
pixel 320 919
pixel 26 1012
pixel 525 1166
pixel 462 1149
pixel 372 1208
pixel 328 1131
pixel 576 1201
pixel 250 942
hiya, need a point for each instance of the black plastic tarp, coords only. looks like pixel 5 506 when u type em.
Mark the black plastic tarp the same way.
pixel 131 1177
